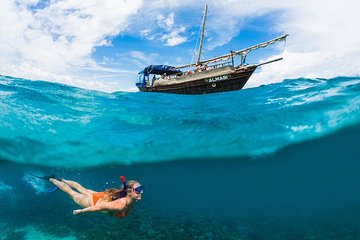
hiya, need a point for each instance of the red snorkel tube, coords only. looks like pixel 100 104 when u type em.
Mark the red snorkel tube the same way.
pixel 123 192
pixel 122 179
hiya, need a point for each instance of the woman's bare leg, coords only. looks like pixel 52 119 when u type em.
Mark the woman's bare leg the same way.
pixel 78 187
pixel 83 200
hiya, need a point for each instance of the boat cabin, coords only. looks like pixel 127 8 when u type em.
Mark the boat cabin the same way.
pixel 148 74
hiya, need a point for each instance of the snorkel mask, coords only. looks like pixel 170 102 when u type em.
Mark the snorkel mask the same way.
pixel 140 189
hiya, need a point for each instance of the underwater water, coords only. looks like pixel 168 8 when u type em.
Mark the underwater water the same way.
pixel 279 161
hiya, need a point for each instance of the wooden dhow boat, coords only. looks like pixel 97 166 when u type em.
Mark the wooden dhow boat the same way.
pixel 218 74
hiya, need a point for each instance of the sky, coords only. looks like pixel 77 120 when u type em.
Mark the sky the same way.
pixel 103 44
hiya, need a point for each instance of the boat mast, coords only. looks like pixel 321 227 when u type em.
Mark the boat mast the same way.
pixel 202 36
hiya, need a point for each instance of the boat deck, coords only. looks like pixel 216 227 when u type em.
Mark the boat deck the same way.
pixel 194 76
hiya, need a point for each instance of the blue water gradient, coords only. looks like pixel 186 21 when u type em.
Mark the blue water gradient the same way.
pixel 51 124
pixel 307 190
pixel 279 161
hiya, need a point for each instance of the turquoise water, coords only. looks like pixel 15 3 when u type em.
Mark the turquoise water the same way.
pixel 279 161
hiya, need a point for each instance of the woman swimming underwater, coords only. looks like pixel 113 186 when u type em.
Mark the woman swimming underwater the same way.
pixel 118 202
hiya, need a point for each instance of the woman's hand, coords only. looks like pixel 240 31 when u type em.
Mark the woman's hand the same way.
pixel 76 212
pixel 101 207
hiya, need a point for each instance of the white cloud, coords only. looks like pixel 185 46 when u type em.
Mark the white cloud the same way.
pixel 138 59
pixel 323 41
pixel 141 56
pixel 58 39
pixel 145 32
pixel 167 23
pixel 170 33
pixel 174 38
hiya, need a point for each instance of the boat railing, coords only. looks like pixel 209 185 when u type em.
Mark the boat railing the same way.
pixel 219 65
pixel 189 72
pixel 170 76
pixel 207 67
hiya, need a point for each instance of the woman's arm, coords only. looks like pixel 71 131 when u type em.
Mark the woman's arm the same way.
pixel 103 206
pixel 88 209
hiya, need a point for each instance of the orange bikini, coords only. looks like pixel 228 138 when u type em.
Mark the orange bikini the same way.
pixel 97 195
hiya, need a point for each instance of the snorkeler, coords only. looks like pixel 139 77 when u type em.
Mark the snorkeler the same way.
pixel 117 202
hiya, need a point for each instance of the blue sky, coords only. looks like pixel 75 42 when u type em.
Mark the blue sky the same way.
pixel 102 44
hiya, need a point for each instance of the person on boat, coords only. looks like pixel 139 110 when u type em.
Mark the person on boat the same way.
pixel 164 76
pixel 117 202
pixel 205 67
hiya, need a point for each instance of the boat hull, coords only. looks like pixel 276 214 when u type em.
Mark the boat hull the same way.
pixel 228 82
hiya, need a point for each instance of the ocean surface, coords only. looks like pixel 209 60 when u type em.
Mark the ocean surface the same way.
pixel 279 161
